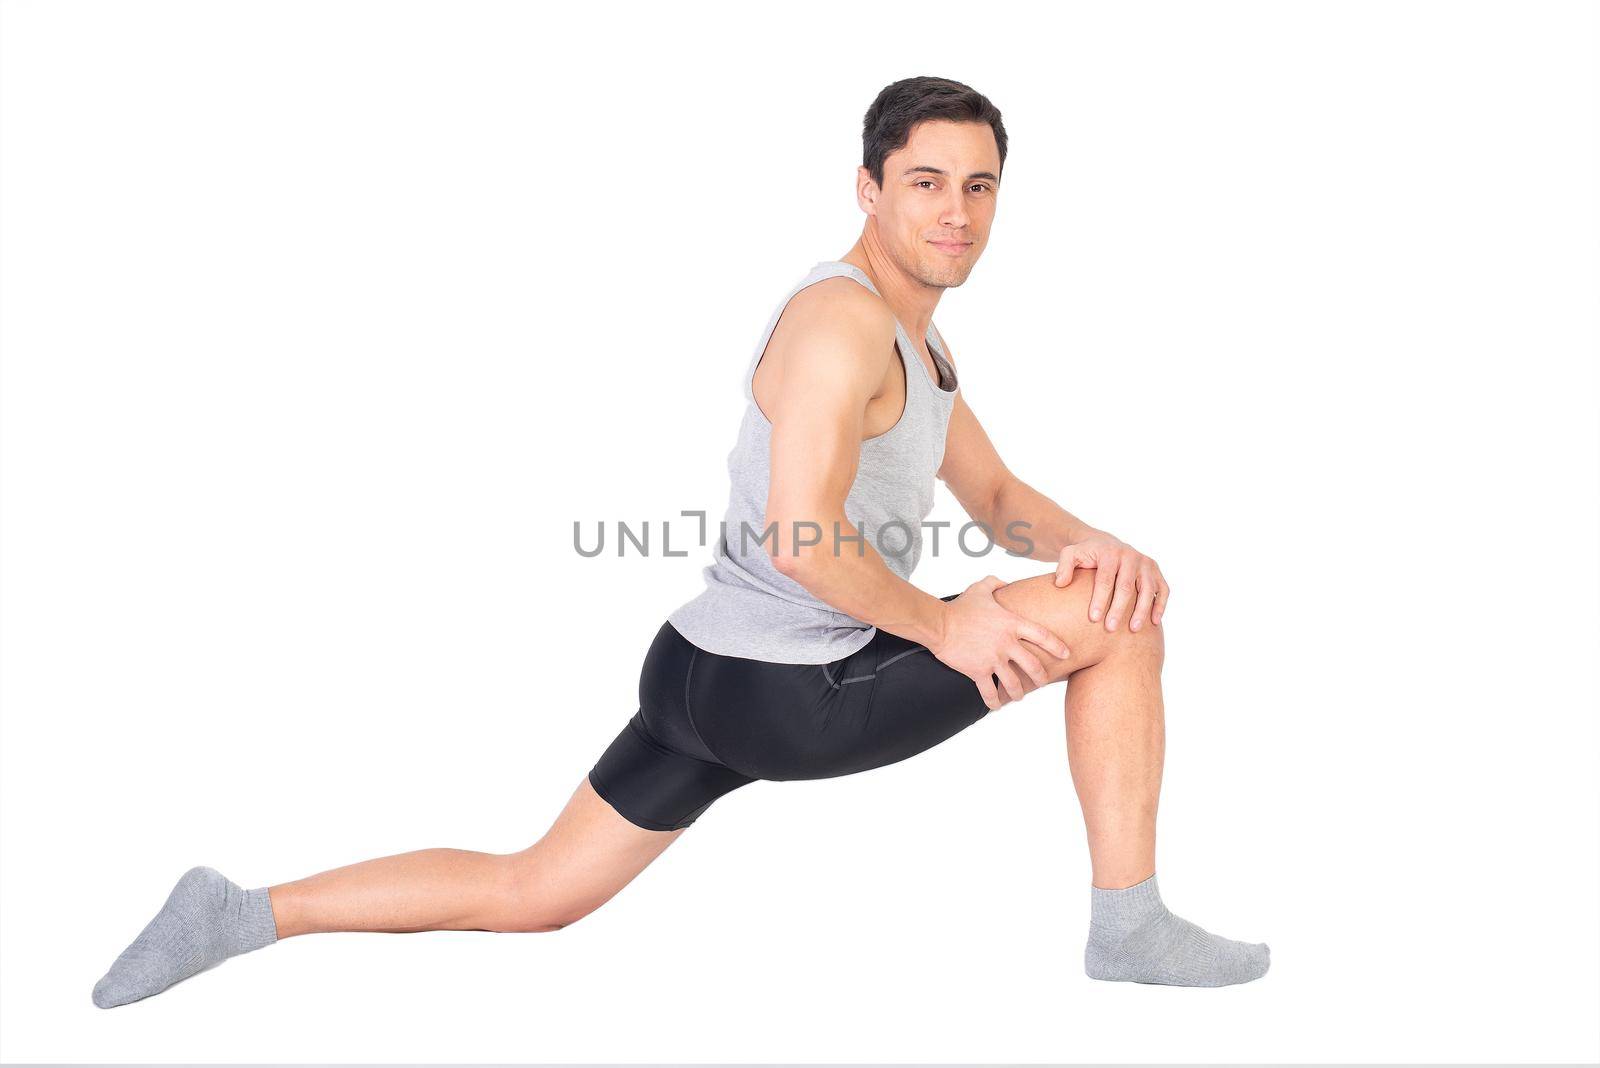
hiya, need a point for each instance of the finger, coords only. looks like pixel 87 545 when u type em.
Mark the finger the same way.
pixel 987 690
pixel 1044 639
pixel 1072 558
pixel 1066 566
pixel 1009 680
pixel 1147 596
pixel 1160 604
pixel 1041 652
pixel 1103 579
pixel 1030 664
pixel 1127 586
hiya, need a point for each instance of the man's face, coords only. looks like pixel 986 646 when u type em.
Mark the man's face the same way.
pixel 938 200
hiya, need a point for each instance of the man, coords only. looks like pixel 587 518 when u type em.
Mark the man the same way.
pixel 810 654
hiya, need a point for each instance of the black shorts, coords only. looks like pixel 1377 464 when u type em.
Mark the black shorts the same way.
pixel 708 724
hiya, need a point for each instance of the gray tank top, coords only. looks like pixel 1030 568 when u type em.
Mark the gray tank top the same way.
pixel 748 607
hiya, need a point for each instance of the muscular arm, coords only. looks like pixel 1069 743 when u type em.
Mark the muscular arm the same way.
pixel 1125 580
pixel 993 496
pixel 829 373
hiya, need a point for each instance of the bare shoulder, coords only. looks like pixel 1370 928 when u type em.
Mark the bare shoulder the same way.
pixel 838 305
pixel 831 320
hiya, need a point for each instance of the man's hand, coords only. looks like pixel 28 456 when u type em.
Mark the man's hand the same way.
pixel 982 637
pixel 1123 576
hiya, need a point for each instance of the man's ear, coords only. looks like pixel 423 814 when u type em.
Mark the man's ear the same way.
pixel 866 191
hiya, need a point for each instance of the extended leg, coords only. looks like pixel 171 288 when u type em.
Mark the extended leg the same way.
pixel 587 856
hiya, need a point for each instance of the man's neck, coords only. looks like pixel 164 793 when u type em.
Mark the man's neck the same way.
pixel 910 300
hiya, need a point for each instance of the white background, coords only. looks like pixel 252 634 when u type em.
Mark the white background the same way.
pixel 323 322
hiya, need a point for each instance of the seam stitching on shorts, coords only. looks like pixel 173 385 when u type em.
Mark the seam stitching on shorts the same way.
pixel 872 693
pixel 868 678
pixel 688 713
pixel 640 732
pixel 898 656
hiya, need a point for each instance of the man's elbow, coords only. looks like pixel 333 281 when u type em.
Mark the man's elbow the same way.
pixel 791 563
pixel 795 546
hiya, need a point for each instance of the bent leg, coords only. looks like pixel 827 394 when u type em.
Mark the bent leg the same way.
pixel 1116 747
pixel 1115 722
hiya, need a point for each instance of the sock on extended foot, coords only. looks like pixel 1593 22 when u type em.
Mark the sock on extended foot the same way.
pixel 206 920
pixel 1133 937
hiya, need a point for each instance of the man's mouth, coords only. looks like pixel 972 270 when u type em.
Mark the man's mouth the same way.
pixel 953 247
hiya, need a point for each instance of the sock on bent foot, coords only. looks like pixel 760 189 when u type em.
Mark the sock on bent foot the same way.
pixel 206 920
pixel 1133 937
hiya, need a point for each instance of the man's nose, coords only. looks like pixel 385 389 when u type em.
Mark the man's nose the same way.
pixel 954 213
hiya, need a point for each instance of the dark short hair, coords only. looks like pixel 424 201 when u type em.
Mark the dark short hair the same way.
pixel 903 104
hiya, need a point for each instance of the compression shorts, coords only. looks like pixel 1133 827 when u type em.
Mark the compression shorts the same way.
pixel 708 724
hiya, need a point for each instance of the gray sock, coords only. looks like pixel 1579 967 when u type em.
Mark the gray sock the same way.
pixel 206 920
pixel 1134 938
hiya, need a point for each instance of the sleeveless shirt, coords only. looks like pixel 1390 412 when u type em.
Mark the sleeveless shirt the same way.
pixel 750 609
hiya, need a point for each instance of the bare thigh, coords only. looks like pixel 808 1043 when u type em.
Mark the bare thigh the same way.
pixel 587 856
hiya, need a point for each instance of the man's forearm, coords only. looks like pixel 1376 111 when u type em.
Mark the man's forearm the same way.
pixel 851 576
pixel 1039 520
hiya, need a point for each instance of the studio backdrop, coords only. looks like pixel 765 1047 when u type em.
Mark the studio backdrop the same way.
pixel 328 326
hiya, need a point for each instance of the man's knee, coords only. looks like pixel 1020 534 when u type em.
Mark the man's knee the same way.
pixel 1149 641
pixel 533 901
pixel 1065 611
pixel 543 913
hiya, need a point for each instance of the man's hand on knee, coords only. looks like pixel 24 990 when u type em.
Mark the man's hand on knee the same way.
pixel 1127 584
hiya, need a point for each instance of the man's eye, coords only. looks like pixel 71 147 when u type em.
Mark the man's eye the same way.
pixel 926 181
pixel 979 185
